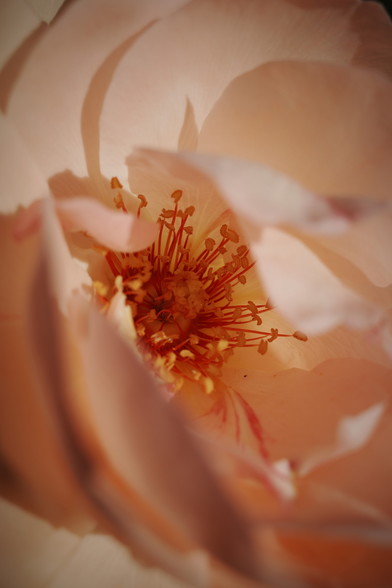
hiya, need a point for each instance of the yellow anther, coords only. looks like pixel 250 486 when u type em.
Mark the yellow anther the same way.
pixel 222 345
pixel 185 353
pixel 143 201
pixel 274 335
pixel 300 336
pixel 209 244
pixel 208 384
pixel 176 195
pixel 245 262
pixel 263 347
pixel 100 288
pixel 241 250
pixel 233 236
pixel 115 184
pixel 167 213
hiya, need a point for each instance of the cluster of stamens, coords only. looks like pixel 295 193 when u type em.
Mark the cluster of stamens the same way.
pixel 182 297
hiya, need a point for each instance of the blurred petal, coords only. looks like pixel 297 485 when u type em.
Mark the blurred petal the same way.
pixel 141 434
pixel 35 554
pixel 17 188
pixel 353 432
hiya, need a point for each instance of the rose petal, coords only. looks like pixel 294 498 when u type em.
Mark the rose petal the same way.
pixel 115 230
pixel 54 82
pixel 305 291
pixel 258 193
pixel 326 126
pixel 237 35
pixel 353 432
pixel 67 274
pixel 142 435
pixel 301 413
pixel 17 188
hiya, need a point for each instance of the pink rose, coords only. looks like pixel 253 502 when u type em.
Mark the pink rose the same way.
pixel 197 258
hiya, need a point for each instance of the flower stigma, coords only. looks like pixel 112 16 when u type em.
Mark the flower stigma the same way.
pixel 184 297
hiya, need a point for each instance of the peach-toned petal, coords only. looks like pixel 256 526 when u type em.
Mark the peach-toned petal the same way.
pixel 18 188
pixel 367 245
pixel 67 274
pixel 304 290
pixel 301 413
pixel 55 82
pixel 326 126
pixel 35 553
pixel 238 36
pixel 352 434
pixel 142 436
pixel 115 230
pixel 120 315
pixel 258 193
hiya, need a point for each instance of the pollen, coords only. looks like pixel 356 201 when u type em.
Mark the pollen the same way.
pixel 185 297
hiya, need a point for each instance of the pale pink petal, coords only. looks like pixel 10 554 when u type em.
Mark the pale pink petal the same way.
pixel 367 245
pixel 352 434
pixel 34 554
pixel 231 38
pixel 258 193
pixel 21 181
pixel 67 275
pixel 326 126
pixel 55 83
pixel 305 290
pixel 150 176
pixel 119 313
pixel 115 230
pixel 46 10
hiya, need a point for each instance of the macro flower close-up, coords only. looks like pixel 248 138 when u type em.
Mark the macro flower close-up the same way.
pixel 196 311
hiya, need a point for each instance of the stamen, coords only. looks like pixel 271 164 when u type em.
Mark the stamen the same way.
pixel 182 297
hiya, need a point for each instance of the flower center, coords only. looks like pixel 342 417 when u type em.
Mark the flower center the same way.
pixel 184 297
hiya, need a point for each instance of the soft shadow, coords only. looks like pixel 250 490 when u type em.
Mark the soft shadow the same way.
pixel 94 100
pixel 189 134
pixel 11 71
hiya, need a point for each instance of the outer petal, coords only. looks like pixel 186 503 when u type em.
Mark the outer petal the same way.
pixel 36 554
pixel 17 188
pixel 305 291
pixel 326 126
pixel 113 229
pixel 54 82
pixel 259 194
pixel 301 413
pixel 158 90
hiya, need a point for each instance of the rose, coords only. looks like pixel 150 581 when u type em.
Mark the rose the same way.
pixel 343 439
